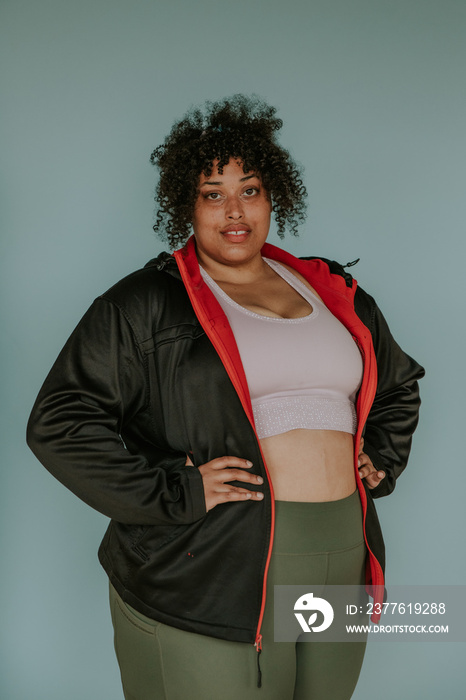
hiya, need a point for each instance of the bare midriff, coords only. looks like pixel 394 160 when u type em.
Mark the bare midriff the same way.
pixel 310 465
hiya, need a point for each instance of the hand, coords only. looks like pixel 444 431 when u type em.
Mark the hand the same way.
pixel 218 472
pixel 367 470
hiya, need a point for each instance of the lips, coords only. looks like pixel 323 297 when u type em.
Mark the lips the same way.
pixel 236 229
pixel 236 233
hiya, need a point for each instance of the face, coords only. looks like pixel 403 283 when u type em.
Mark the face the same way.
pixel 231 217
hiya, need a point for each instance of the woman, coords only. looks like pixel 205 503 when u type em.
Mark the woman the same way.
pixel 213 406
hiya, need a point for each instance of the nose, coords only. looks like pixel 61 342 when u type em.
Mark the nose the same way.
pixel 234 208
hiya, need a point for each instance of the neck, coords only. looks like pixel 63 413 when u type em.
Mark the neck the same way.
pixel 231 272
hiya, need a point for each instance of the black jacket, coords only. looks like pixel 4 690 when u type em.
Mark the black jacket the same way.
pixel 145 379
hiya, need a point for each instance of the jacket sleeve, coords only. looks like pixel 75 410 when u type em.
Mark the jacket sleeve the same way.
pixel 394 414
pixel 96 386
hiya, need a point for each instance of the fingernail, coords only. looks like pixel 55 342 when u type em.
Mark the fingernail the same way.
pixel 248 463
pixel 248 495
pixel 260 496
pixel 260 480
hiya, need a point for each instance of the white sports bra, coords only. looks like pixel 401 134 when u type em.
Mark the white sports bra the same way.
pixel 301 372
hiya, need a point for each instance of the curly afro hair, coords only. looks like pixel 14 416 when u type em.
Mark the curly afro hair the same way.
pixel 239 127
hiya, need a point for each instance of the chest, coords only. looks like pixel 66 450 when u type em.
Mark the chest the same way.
pixel 273 297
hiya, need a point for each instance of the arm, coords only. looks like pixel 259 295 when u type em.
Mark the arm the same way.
pixel 395 411
pixel 97 386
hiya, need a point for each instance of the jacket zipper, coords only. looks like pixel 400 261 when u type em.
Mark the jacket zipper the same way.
pixel 377 577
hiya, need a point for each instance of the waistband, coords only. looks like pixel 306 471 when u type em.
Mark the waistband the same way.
pixel 316 527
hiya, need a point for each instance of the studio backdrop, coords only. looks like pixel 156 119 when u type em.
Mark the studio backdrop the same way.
pixel 372 95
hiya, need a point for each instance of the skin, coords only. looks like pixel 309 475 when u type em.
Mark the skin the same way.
pixel 231 222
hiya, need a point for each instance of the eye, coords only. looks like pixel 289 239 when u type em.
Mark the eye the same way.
pixel 213 196
pixel 251 191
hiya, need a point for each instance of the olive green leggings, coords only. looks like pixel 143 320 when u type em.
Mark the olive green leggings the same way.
pixel 315 543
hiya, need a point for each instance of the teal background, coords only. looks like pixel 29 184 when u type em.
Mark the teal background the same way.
pixel 372 94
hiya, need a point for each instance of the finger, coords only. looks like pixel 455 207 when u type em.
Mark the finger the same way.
pixel 227 488
pixel 226 475
pixel 364 459
pixel 373 478
pixel 361 444
pixel 237 494
pixel 232 495
pixel 365 471
pixel 225 462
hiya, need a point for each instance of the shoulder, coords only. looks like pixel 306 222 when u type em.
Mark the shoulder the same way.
pixel 152 284
pixel 365 305
pixel 149 299
pixel 336 268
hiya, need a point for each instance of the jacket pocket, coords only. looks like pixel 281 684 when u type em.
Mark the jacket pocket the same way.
pixel 154 538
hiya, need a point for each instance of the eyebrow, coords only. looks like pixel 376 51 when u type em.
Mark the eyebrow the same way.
pixel 243 179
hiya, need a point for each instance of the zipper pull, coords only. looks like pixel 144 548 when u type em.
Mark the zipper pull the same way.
pixel 353 262
pixel 258 645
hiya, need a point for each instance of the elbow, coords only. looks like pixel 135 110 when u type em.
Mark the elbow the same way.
pixel 34 434
pixel 32 437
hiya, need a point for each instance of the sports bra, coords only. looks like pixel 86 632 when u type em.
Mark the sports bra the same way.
pixel 301 372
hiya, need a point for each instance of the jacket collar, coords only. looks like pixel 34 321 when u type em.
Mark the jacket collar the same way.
pixel 331 286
